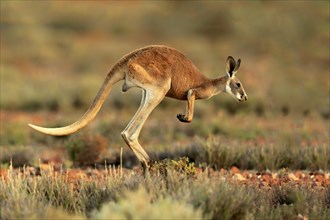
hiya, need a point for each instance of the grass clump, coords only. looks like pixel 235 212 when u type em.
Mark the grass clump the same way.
pixel 140 204
pixel 220 200
pixel 288 201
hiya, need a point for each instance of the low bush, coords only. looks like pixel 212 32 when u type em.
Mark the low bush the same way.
pixel 182 167
pixel 141 204
pixel 86 150
pixel 18 156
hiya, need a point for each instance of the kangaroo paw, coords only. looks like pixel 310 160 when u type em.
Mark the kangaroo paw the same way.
pixel 183 118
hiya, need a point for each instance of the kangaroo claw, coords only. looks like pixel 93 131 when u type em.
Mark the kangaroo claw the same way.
pixel 183 118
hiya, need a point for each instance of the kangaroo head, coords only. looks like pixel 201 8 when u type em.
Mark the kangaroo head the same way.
pixel 234 86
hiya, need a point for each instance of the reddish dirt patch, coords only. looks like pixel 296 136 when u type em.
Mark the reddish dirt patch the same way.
pixel 233 175
pixel 21 116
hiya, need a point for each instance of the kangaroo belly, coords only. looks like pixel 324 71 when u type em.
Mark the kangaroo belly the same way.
pixel 177 93
pixel 181 84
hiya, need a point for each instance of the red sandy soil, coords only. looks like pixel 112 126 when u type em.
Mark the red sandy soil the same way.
pixel 21 116
pixel 280 178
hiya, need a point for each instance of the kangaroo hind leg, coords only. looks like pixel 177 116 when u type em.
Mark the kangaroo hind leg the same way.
pixel 151 97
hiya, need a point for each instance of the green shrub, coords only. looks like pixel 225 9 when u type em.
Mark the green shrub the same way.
pixel 181 167
pixel 86 150
pixel 19 156
pixel 141 204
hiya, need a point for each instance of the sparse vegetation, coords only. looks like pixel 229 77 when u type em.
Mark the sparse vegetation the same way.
pixel 95 194
pixel 259 157
pixel 266 158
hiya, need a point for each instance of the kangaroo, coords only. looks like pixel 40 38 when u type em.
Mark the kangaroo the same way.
pixel 160 71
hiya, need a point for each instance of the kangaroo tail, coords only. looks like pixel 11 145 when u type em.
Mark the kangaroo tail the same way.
pixel 112 78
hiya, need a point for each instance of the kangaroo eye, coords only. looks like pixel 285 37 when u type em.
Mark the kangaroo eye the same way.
pixel 238 85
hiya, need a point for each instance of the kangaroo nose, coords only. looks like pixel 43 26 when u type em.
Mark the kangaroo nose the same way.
pixel 243 97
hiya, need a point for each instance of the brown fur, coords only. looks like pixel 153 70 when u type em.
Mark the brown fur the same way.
pixel 165 64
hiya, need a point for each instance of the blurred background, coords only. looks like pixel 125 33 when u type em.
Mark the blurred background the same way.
pixel 55 55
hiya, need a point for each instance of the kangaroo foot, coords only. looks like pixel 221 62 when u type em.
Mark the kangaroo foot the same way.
pixel 183 118
pixel 145 168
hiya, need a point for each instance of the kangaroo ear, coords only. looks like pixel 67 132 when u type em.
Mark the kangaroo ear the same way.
pixel 238 63
pixel 230 66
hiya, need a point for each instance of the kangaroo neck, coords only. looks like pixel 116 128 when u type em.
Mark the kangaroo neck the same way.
pixel 216 85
